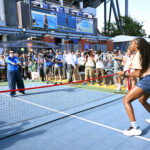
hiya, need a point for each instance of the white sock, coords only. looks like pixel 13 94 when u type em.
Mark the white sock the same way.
pixel 134 124
pixel 119 86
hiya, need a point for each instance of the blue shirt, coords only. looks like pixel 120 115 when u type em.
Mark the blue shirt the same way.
pixel 48 63
pixel 59 58
pixel 11 67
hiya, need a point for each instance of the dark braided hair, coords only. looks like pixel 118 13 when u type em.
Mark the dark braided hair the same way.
pixel 144 50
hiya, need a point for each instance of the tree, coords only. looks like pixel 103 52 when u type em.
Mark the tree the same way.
pixel 130 27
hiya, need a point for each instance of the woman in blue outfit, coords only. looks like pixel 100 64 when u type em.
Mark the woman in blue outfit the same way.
pixel 141 66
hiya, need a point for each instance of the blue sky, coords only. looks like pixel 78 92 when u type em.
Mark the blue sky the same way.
pixel 138 9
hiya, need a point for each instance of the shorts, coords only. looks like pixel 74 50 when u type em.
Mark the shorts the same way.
pixel 48 70
pixel 58 71
pixel 115 71
pixel 144 84
pixel 89 71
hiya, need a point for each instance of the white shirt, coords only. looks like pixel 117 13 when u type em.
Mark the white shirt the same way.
pixel 70 59
pixel 64 58
pixel 89 62
pixel 99 62
pixel 128 61
pixel 2 63
pixel 75 59
pixel 81 61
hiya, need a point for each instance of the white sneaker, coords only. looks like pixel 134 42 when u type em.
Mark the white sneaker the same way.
pixel 147 120
pixel 19 93
pixel 118 89
pixel 132 131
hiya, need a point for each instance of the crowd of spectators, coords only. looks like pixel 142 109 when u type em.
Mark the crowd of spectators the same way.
pixel 49 66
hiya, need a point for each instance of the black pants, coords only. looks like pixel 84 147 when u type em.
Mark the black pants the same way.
pixel 70 71
pixel 41 72
pixel 14 77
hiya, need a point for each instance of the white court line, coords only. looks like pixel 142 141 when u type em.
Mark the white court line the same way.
pixel 74 116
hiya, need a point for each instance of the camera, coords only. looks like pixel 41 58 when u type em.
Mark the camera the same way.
pixel 87 52
pixel 98 52
pixel 45 55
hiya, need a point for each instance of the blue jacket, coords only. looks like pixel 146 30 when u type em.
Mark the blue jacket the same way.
pixel 11 67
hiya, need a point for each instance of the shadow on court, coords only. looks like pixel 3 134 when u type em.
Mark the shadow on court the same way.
pixel 8 143
pixel 146 130
pixel 50 91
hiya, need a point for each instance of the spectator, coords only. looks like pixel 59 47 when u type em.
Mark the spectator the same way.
pixel 89 66
pixel 32 69
pixel 117 67
pixel 48 63
pixel 75 71
pixel 58 67
pixel 71 65
pixel 24 66
pixel 81 61
pixel 64 64
pixel 41 66
pixel 2 68
pixel 127 62
pixel 100 69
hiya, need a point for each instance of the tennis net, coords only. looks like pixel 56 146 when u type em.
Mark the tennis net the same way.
pixel 43 104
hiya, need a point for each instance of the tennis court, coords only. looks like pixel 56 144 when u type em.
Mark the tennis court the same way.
pixel 65 117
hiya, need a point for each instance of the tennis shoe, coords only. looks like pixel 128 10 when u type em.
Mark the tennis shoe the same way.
pixel 12 96
pixel 147 120
pixel 132 131
pixel 21 93
pixel 84 84
pixel 118 89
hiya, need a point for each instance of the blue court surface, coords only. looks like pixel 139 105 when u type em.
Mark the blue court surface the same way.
pixel 43 120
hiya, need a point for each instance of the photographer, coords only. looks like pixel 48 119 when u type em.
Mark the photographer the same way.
pixel 40 66
pixel 58 67
pixel 48 62
pixel 89 66
pixel 99 60
pixel 118 58
pixel 71 65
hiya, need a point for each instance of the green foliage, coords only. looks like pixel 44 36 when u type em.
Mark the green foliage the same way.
pixel 130 27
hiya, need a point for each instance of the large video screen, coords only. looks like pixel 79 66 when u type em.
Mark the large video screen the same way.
pixel 44 19
pixel 84 25
pixel 61 22
pixel 66 22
